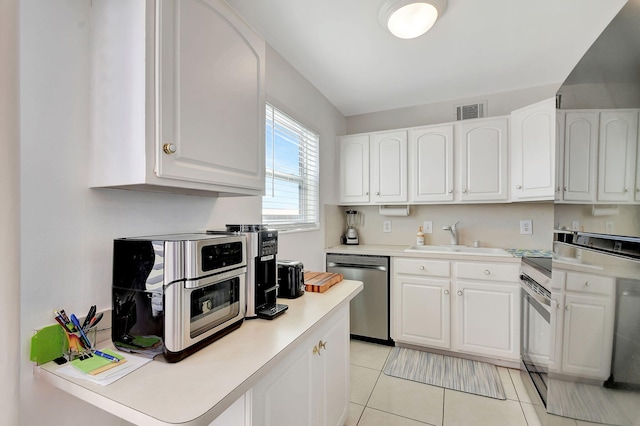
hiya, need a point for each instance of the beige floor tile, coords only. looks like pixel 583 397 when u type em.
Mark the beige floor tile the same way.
pixel 409 399
pixel 523 396
pixel 530 414
pixel 372 417
pixel 362 382
pixel 355 411
pixel 463 409
pixel 507 383
pixel 369 355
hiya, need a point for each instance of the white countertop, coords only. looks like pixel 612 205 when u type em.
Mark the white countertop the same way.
pixel 199 388
pixel 399 250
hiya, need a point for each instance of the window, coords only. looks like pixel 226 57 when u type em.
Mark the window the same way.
pixel 291 189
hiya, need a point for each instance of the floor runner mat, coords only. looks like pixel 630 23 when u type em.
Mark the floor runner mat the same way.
pixel 463 375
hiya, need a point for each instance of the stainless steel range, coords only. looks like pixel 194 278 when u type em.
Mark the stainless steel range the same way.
pixel 535 322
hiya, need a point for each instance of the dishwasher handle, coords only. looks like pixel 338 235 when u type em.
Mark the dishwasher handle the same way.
pixel 356 266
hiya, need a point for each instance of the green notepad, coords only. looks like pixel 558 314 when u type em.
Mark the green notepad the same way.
pixel 96 364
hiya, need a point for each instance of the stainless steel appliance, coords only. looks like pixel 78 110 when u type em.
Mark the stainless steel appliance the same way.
pixel 370 308
pixel 593 355
pixel 290 279
pixel 535 322
pixel 174 294
pixel 262 274
pixel 354 219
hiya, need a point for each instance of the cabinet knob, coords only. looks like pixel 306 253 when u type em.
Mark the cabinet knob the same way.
pixel 487 272
pixel 626 190
pixel 322 345
pixel 169 148
pixel 366 193
pixel 459 292
pixel 451 190
pixel 586 283
pixel 566 308
pixel 377 193
pixel 421 268
pixel 518 186
pixel 446 292
pixel 316 351
pixel 565 188
pixel 464 191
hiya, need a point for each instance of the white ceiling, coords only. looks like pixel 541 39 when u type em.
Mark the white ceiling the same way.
pixel 478 47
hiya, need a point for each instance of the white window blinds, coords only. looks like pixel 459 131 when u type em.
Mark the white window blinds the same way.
pixel 291 199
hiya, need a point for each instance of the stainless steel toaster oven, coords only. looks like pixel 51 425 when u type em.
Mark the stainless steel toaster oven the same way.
pixel 174 294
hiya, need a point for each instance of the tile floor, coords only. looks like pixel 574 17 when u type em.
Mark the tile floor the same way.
pixel 381 400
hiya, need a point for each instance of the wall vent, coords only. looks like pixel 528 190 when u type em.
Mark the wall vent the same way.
pixel 466 112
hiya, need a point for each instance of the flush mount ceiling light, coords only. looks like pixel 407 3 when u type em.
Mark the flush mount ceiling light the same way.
pixel 408 19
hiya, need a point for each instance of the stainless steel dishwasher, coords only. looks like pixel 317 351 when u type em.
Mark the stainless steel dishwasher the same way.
pixel 370 308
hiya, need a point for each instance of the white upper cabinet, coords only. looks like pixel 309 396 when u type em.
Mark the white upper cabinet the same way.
pixel 580 155
pixel 373 168
pixel 617 155
pixel 179 98
pixel 431 164
pixel 599 156
pixel 533 152
pixel 354 169
pixel 389 167
pixel 484 159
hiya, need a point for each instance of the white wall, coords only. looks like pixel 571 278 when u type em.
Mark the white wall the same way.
pixel 67 229
pixel 492 225
pixel 9 211
pixel 498 104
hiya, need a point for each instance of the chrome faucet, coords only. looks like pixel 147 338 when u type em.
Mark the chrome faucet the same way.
pixel 454 233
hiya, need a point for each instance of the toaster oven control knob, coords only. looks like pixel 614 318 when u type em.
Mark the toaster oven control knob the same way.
pixel 169 148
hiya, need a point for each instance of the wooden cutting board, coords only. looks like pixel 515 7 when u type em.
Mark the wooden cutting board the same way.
pixel 319 282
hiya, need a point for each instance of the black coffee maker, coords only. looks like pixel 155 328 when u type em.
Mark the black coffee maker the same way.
pixel 262 270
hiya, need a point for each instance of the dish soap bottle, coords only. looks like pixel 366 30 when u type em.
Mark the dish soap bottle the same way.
pixel 420 237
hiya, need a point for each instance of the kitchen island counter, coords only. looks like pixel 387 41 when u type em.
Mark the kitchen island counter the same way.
pixel 199 388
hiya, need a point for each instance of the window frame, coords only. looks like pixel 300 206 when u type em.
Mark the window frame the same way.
pixel 308 180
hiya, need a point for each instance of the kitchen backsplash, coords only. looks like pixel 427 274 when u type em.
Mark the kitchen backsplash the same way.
pixel 492 225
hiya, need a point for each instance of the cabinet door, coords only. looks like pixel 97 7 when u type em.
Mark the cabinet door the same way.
pixel 587 336
pixel 422 311
pixel 559 176
pixel 580 156
pixel 354 169
pixel 484 160
pixel 533 130
pixel 285 395
pixel 389 167
pixel 487 319
pixel 331 378
pixel 431 164
pixel 617 155
pixel 211 98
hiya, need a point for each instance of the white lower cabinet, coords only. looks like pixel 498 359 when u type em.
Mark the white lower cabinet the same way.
pixel 236 414
pixel 470 307
pixel 311 385
pixel 488 319
pixel 586 324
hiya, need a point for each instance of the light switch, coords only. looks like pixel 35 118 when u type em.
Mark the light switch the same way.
pixel 386 226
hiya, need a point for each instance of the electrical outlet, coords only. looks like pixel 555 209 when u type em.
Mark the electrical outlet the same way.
pixel 427 227
pixel 386 226
pixel 526 227
pixel 575 225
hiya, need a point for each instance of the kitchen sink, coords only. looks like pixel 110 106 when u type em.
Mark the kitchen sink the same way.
pixel 478 251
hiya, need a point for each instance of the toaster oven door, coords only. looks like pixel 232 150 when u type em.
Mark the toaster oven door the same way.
pixel 202 309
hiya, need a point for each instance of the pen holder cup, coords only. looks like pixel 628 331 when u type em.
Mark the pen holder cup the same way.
pixel 77 347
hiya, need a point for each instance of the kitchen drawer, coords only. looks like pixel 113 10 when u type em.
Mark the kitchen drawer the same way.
pixel 587 283
pixel 414 266
pixel 488 271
